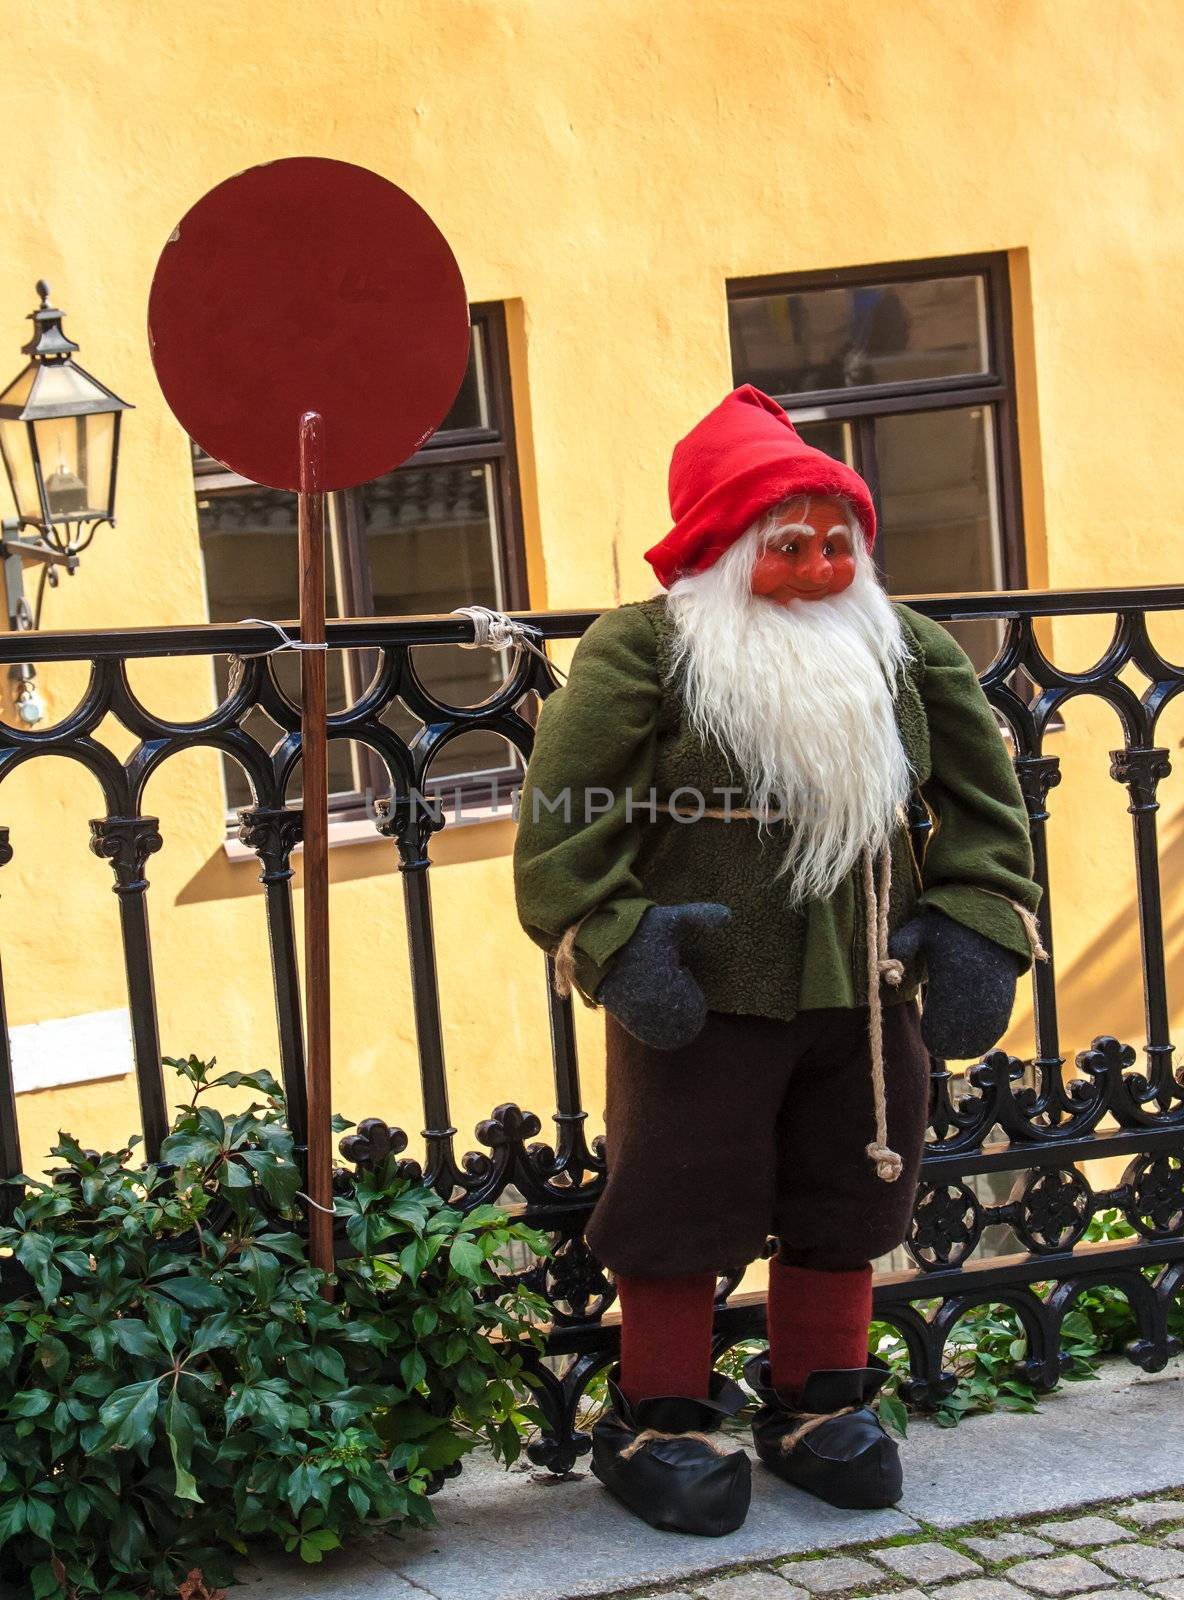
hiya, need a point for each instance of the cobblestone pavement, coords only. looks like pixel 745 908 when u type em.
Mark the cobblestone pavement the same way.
pixel 1123 1550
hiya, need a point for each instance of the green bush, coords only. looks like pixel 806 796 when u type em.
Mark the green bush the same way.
pixel 161 1406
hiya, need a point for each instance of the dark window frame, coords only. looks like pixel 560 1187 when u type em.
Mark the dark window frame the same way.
pixel 859 407
pixel 495 446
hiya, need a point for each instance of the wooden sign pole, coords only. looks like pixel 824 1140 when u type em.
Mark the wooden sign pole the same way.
pixel 315 767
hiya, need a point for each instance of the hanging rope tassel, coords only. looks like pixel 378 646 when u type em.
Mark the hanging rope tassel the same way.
pixel 1031 924
pixel 565 962
pixel 880 968
pixel 1032 929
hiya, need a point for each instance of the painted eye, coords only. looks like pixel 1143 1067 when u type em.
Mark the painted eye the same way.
pixel 828 549
pixel 790 549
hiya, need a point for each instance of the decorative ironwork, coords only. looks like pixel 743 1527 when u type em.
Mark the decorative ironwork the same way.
pixel 1039 1121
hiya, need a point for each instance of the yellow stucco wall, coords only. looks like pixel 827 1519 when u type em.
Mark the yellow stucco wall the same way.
pixel 604 166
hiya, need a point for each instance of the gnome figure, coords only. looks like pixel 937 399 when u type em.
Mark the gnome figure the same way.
pixel 713 845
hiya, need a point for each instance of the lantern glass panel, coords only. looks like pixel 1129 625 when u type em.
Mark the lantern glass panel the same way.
pixel 17 448
pixel 75 457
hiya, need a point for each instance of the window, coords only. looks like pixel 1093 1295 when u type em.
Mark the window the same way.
pixel 442 530
pixel 905 372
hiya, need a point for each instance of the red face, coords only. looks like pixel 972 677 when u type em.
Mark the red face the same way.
pixel 809 559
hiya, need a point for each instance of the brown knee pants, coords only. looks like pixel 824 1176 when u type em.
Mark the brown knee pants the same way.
pixel 759 1127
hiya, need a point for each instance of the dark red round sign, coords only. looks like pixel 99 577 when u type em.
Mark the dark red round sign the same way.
pixel 308 285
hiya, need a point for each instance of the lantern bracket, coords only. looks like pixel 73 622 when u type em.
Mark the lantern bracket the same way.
pixel 15 551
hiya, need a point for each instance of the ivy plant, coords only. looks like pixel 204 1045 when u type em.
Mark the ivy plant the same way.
pixel 175 1382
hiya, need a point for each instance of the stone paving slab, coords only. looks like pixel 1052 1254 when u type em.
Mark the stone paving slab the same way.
pixel 834 1574
pixel 522 1536
pixel 760 1584
pixel 1059 1575
pixel 1143 1563
pixel 1007 1546
pixel 926 1563
pixel 1155 1513
pixel 1081 1533
pixel 983 1589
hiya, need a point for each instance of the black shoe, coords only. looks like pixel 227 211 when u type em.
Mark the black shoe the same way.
pixel 846 1459
pixel 673 1480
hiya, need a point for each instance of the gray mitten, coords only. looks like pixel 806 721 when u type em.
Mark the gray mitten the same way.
pixel 971 987
pixel 648 989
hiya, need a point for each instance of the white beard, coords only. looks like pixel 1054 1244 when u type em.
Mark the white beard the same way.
pixel 800 697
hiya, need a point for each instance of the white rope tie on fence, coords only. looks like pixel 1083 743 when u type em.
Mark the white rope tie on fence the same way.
pixel 494 630
pixel 286 640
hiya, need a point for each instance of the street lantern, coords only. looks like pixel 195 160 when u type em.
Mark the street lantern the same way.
pixel 59 440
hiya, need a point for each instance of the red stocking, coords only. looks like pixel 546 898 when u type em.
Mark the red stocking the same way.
pixel 817 1320
pixel 666 1336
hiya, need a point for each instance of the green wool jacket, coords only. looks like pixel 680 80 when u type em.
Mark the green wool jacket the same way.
pixel 619 727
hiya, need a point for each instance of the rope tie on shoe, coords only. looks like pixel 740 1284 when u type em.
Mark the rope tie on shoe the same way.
pixel 881 967
pixel 810 1421
pixel 494 630
pixel 647 1435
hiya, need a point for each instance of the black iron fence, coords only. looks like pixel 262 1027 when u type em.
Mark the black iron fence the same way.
pixel 1038 1121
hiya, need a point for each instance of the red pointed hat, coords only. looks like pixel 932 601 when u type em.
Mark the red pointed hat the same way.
pixel 743 458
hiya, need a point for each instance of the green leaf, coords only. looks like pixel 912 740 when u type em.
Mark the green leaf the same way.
pixel 136 1337
pixel 165 1318
pixel 195 1293
pixel 189 1150
pixel 29 1403
pixel 39 1517
pixel 328 1361
pixel 262 1081
pixel 263 1272
pixel 305 1483
pixel 12 1517
pixel 424 1320
pixel 413 1258
pixel 280 1181
pixel 220 1332
pixel 35 1253
pixel 130 1412
pixel 413 1369
pixel 314 1544
pixel 179 1424
pixel 893 1412
pixel 77 1507
pixel 465 1258
pixel 53 1357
